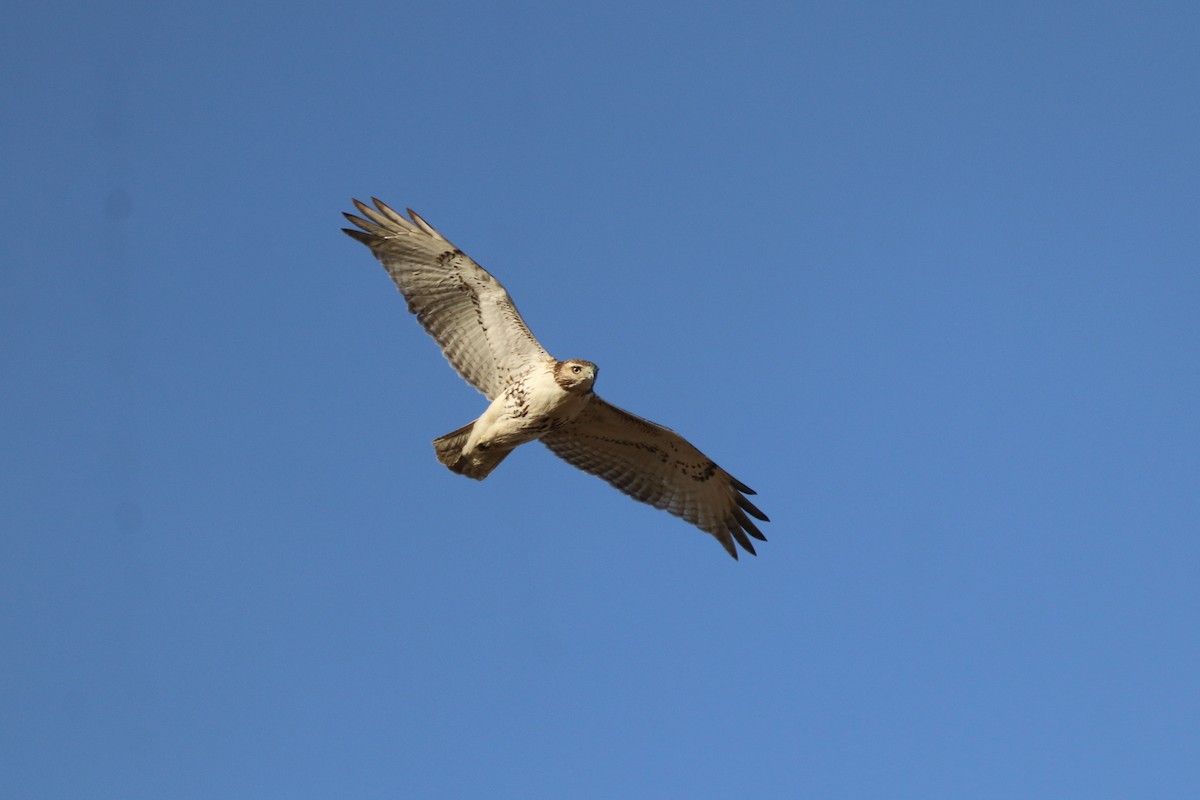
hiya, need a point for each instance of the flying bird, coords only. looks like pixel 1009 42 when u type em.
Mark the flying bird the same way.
pixel 535 396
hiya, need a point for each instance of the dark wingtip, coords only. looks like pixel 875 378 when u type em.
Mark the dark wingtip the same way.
pixel 727 542
pixel 361 236
pixel 746 545
pixel 739 535
pixel 386 209
pixel 741 487
pixel 751 508
pixel 748 526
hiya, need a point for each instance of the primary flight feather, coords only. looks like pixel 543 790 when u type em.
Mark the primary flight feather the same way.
pixel 535 396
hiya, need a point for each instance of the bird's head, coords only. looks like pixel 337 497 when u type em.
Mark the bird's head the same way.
pixel 576 375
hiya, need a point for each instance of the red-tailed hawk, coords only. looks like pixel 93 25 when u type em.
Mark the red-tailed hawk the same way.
pixel 535 396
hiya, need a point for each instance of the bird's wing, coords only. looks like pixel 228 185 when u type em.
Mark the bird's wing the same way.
pixel 655 465
pixel 457 301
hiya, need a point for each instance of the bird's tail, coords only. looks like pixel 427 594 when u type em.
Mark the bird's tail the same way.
pixel 478 465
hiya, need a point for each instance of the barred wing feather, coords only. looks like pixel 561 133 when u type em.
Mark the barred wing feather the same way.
pixel 657 466
pixel 465 309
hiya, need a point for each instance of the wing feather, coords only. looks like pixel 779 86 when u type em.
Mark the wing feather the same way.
pixel 655 465
pixel 466 310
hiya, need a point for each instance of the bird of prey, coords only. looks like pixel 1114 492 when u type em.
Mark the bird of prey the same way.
pixel 535 396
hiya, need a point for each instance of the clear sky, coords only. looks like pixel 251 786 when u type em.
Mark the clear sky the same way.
pixel 926 276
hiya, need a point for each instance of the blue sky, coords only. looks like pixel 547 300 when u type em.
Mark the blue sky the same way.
pixel 925 276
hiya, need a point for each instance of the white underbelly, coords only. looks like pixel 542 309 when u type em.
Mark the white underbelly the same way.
pixel 522 414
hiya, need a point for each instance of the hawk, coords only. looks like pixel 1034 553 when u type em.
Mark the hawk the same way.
pixel 535 396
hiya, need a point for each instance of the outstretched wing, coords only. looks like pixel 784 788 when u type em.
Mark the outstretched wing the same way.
pixel 655 465
pixel 458 302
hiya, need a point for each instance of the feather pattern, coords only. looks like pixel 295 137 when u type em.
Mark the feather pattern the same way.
pixel 655 465
pixel 465 309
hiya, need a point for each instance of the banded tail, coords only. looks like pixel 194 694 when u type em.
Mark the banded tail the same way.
pixel 478 465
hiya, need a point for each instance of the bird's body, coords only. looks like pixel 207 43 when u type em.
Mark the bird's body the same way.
pixel 536 402
pixel 535 396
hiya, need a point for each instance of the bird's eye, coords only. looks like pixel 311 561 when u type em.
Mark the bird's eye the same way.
pixel 577 369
